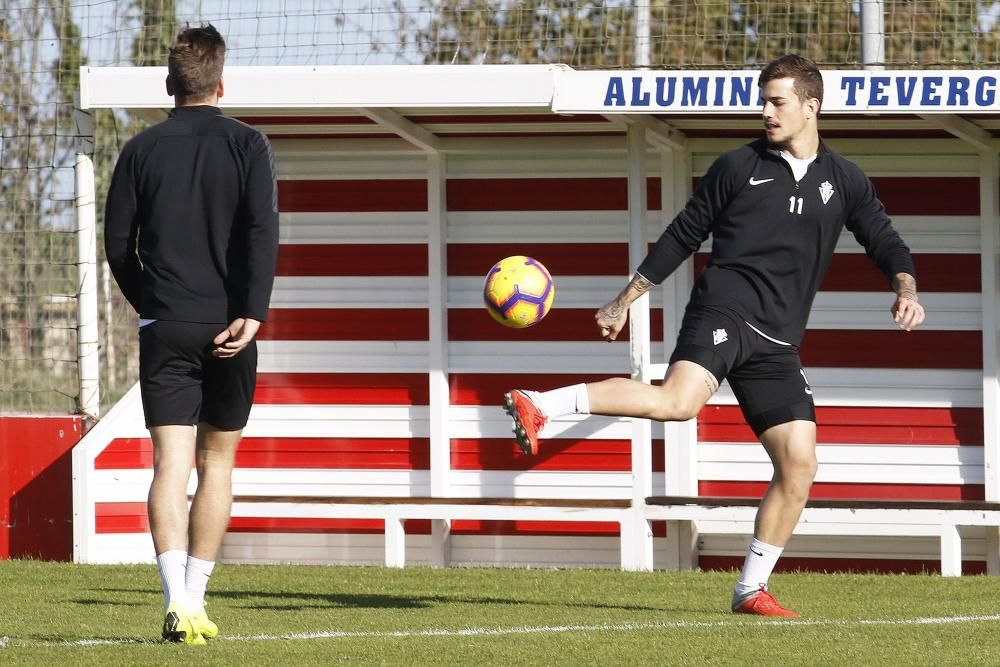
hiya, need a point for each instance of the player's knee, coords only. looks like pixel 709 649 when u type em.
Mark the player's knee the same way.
pixel 800 467
pixel 673 408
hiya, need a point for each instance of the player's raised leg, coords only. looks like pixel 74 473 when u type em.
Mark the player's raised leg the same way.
pixel 683 393
pixel 792 449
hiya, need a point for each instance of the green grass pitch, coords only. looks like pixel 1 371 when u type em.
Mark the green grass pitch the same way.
pixel 65 614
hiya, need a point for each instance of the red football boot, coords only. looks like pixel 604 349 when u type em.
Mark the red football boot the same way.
pixel 761 603
pixel 528 420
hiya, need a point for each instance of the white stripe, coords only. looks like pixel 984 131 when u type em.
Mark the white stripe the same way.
pixel 773 340
pixel 520 630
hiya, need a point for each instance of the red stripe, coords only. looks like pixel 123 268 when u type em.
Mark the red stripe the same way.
pixel 513 119
pixel 935 273
pixel 555 454
pixel 853 491
pixel 346 324
pixel 489 388
pixel 263 524
pixel 561 259
pixel 343 388
pixel 928 195
pixel 383 259
pixel 862 348
pixel 288 452
pixel 559 325
pixel 545 194
pixel 126 454
pixel 850 272
pixel 306 120
pixel 335 453
pixel 120 518
pixel 902 195
pixel 904 426
pixel 352 196
pixel 925 195
pixel 858 564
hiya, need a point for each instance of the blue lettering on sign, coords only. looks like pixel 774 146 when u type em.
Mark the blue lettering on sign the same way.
pixel 694 91
pixel 877 96
pixel 905 85
pixel 639 98
pixel 958 91
pixel 852 84
pixel 985 97
pixel 668 99
pixel 931 98
pixel 672 91
pixel 741 93
pixel 615 97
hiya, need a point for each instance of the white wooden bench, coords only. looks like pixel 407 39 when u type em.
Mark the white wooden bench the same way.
pixel 686 516
pixel 840 517
pixel 395 510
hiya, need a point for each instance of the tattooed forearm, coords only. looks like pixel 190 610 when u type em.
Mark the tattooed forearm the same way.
pixel 640 284
pixel 905 286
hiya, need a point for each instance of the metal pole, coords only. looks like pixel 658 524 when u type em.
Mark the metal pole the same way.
pixel 642 39
pixel 110 353
pixel 87 332
pixel 872 34
pixel 638 530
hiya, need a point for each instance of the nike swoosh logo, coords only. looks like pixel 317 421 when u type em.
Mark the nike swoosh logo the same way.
pixel 759 553
pixel 754 181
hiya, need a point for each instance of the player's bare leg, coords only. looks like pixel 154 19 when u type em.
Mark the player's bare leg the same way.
pixel 210 511
pixel 683 393
pixel 167 507
pixel 213 500
pixel 173 454
pixel 792 449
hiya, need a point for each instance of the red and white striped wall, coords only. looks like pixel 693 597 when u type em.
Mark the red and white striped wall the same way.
pixel 343 404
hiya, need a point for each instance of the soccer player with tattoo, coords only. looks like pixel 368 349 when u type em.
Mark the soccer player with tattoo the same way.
pixel 775 209
pixel 191 235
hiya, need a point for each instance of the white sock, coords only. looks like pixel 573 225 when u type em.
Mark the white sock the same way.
pixel 757 568
pixel 563 401
pixel 172 566
pixel 196 580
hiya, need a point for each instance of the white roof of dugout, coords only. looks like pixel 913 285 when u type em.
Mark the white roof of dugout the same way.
pixel 506 99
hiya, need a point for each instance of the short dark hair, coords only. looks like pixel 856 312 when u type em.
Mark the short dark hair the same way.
pixel 195 62
pixel 808 80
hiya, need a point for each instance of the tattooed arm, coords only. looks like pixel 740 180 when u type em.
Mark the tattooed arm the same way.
pixel 906 311
pixel 611 316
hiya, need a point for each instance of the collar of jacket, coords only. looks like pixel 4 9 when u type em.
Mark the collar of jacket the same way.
pixel 195 110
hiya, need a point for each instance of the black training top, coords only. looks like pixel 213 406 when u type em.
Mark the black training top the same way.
pixel 191 223
pixel 773 237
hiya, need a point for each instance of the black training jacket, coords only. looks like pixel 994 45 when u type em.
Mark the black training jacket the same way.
pixel 191 223
pixel 773 238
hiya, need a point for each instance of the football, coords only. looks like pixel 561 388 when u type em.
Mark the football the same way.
pixel 518 291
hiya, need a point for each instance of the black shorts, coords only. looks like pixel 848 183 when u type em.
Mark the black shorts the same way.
pixel 766 377
pixel 182 383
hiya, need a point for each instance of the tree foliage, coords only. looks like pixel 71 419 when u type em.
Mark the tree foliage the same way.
pixel 706 33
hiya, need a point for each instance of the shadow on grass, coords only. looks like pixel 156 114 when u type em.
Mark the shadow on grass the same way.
pixel 296 601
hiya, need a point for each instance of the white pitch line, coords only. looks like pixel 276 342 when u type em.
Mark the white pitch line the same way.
pixel 8 642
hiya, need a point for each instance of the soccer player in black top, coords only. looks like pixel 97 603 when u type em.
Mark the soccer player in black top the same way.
pixel 775 209
pixel 191 234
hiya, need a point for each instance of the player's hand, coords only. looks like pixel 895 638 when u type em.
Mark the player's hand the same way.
pixel 610 318
pixel 907 313
pixel 235 337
